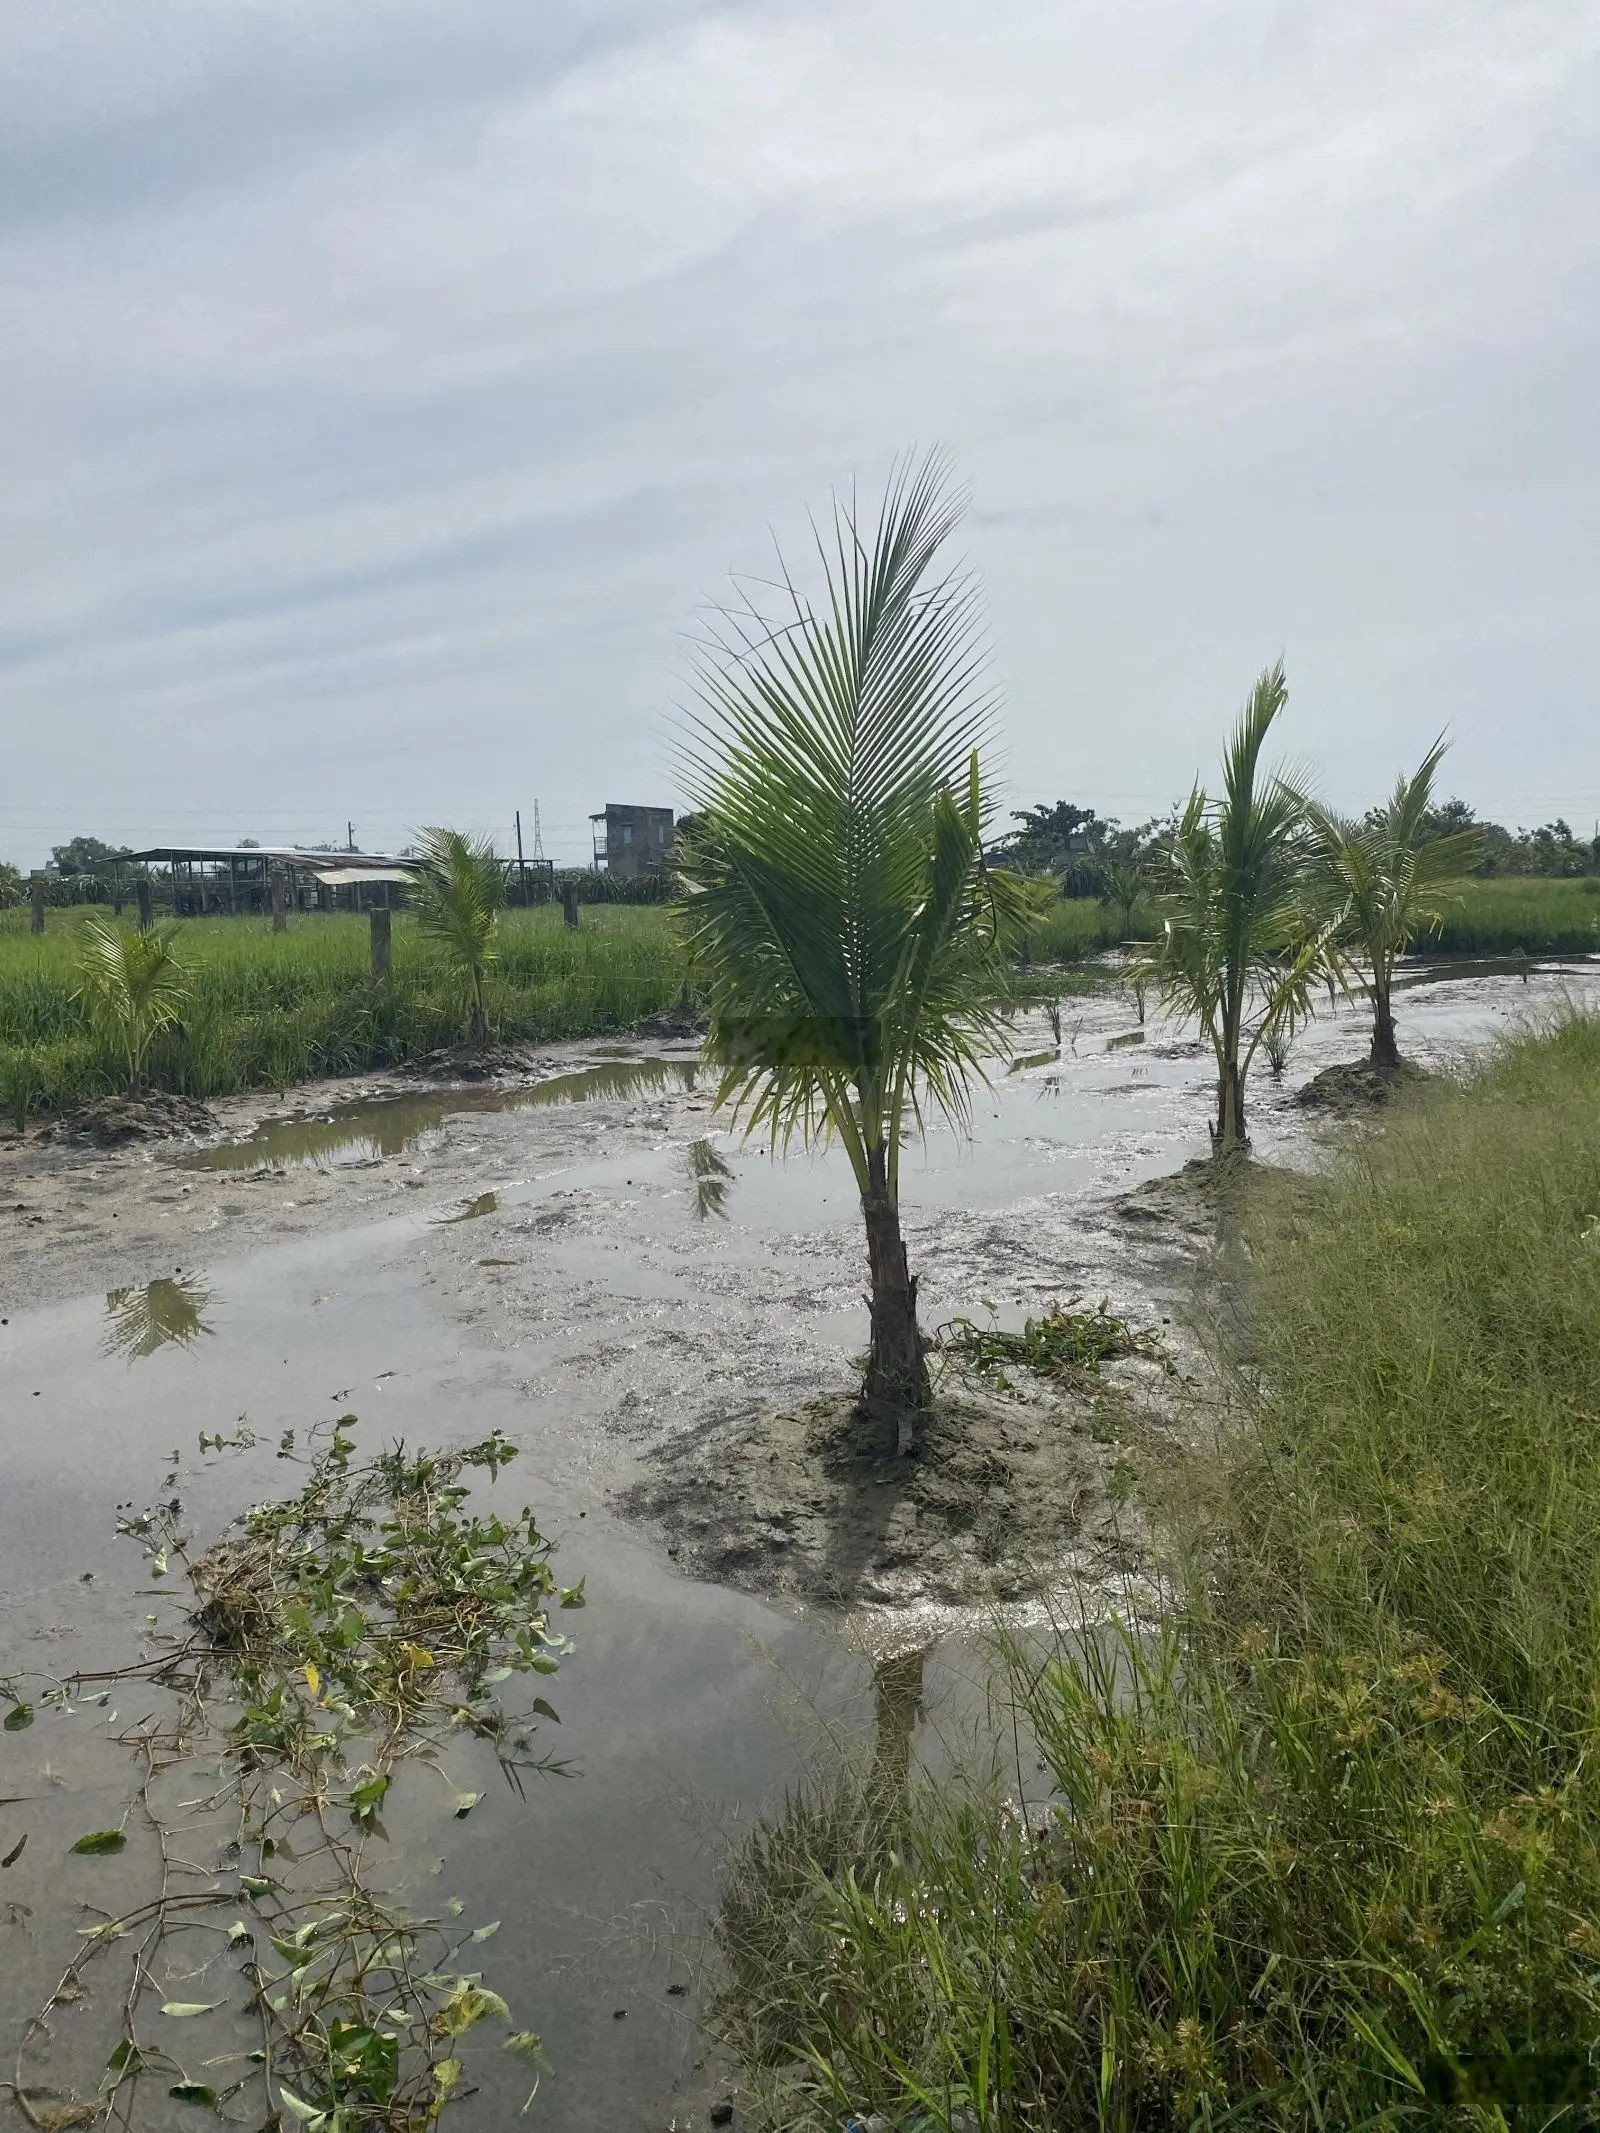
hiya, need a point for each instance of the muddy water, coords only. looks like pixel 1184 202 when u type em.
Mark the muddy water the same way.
pixel 388 1125
pixel 597 1273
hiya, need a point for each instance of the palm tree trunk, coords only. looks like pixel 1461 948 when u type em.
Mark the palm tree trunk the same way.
pixel 1228 1134
pixel 480 1012
pixel 1385 1054
pixel 897 1370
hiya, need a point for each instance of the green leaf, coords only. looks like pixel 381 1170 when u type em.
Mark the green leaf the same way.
pixel 100 1841
pixel 255 1885
pixel 15 1852
pixel 572 1595
pixel 307 2113
pixel 126 2059
pixel 19 1717
pixel 469 2004
pixel 193 2092
pixel 237 1932
pixel 527 2046
pixel 180 2010
pixel 487 1932
pixel 465 1802
pixel 545 1710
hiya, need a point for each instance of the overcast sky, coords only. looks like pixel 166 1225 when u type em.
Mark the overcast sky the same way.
pixel 385 385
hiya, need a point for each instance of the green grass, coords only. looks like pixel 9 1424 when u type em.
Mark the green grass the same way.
pixel 270 1010
pixel 1076 927
pixel 1326 1848
pixel 1512 912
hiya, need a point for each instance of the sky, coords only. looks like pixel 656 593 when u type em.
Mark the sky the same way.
pixel 386 388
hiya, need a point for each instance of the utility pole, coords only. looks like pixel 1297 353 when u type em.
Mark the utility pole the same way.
pixel 522 870
pixel 349 836
pixel 538 837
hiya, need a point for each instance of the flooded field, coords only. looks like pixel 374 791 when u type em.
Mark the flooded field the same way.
pixel 596 1266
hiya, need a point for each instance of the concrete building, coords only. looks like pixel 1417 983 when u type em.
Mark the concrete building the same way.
pixel 632 840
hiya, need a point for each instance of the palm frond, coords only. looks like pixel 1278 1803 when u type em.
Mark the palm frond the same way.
pixel 835 899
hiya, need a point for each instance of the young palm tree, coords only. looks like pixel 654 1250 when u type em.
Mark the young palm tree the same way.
pixel 1238 949
pixel 849 940
pixel 133 986
pixel 457 893
pixel 1388 881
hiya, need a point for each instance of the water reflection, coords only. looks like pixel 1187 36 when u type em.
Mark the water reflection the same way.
pixel 897 1706
pixel 161 1314
pixel 710 1179
pixel 387 1125
pixel 484 1204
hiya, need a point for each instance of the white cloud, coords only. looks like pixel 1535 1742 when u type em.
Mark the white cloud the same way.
pixel 388 387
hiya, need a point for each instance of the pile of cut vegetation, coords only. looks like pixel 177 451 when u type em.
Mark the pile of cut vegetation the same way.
pixel 1323 1849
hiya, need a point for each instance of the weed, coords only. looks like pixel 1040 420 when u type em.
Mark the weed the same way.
pixel 335 1635
pixel 1063 1345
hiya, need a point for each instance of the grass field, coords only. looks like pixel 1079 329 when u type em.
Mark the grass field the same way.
pixel 1327 1851
pixel 1495 917
pixel 1512 912
pixel 270 1010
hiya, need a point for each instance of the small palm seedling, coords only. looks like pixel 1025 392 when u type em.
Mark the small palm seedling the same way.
pixel 1239 948
pixel 849 940
pixel 1389 879
pixel 458 893
pixel 132 987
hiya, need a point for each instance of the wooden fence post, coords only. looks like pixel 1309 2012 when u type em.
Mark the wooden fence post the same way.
pixel 280 917
pixel 146 906
pixel 569 905
pixel 379 921
pixel 36 898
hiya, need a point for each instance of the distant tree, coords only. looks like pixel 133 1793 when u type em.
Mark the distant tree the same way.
pixel 249 844
pixel 86 855
pixel 13 888
pixel 1049 838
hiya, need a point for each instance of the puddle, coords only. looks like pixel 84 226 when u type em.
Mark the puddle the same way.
pixel 368 1130
pixel 162 1314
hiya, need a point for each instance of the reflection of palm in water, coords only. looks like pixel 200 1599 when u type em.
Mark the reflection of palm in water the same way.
pixel 897 1695
pixel 710 1177
pixel 142 1320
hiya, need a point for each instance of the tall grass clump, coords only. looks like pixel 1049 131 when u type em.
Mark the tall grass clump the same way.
pixel 1323 1848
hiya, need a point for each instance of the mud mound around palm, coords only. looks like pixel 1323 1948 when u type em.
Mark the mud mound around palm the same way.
pixel 1006 1497
pixel 113 1121
pixel 1358 1085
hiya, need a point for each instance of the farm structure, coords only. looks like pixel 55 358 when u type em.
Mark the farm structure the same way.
pixel 209 880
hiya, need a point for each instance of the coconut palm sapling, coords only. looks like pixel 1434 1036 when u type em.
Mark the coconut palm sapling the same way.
pixel 458 892
pixel 1240 949
pixel 848 940
pixel 132 986
pixel 1388 880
